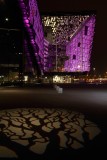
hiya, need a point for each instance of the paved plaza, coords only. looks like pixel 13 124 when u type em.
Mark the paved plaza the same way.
pixel 40 123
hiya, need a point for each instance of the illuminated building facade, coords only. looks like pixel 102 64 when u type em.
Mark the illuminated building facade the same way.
pixel 33 36
pixel 60 43
pixel 71 39
pixel 79 48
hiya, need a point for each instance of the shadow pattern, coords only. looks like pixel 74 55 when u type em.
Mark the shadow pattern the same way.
pixel 44 133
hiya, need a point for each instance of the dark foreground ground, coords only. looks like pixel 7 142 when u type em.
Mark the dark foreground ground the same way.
pixel 40 123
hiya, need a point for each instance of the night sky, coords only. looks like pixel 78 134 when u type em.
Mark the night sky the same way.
pixel 10 32
pixel 8 8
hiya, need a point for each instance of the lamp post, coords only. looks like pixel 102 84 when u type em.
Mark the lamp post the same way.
pixel 56 56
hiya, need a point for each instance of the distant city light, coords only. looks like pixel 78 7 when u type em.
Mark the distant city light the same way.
pixel 25 78
pixel 6 19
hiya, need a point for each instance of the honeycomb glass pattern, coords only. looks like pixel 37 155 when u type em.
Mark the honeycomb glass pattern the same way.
pixel 80 47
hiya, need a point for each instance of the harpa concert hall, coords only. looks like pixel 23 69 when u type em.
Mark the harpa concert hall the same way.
pixel 57 43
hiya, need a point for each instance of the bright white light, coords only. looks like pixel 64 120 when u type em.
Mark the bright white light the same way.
pixel 79 66
pixel 25 78
pixel 6 19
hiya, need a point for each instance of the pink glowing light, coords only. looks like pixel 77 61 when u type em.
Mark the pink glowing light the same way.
pixel 80 47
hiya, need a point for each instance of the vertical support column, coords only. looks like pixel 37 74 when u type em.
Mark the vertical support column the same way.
pixel 56 57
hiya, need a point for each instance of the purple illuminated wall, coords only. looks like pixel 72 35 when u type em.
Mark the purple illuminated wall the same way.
pixel 76 58
pixel 79 48
pixel 35 21
pixel 28 62
pixel 33 27
pixel 46 55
